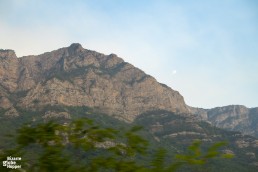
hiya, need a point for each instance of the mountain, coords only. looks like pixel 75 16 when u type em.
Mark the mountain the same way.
pixel 233 117
pixel 74 76
pixel 175 132
pixel 74 82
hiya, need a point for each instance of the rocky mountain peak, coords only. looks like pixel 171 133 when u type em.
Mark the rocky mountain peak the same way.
pixel 75 48
pixel 74 76
pixel 7 54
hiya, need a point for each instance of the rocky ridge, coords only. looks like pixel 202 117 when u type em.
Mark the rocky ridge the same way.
pixel 232 117
pixel 74 76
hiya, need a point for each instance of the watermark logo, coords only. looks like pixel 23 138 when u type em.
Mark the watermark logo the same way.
pixel 12 162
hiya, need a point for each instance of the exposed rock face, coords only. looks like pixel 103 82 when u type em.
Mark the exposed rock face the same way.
pixel 5 103
pixel 50 114
pixel 200 113
pixel 75 76
pixel 8 70
pixel 12 112
pixel 233 117
pixel 7 54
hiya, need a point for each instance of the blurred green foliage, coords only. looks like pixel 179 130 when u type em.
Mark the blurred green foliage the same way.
pixel 81 145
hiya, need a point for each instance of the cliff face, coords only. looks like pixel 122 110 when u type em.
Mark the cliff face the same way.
pixel 233 117
pixel 74 76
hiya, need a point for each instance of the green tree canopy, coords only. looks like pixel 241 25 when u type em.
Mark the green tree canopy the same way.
pixel 83 146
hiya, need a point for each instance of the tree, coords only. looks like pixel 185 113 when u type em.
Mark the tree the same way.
pixel 83 146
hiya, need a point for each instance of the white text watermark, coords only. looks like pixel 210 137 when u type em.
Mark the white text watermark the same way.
pixel 12 162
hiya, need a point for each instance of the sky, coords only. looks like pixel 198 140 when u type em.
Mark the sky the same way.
pixel 206 50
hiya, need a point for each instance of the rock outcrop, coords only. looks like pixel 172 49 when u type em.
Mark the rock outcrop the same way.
pixel 5 54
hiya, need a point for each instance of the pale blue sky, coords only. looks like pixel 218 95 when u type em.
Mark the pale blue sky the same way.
pixel 207 50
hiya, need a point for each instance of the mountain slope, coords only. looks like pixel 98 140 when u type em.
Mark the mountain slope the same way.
pixel 74 82
pixel 74 76
pixel 177 131
pixel 171 131
pixel 233 117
